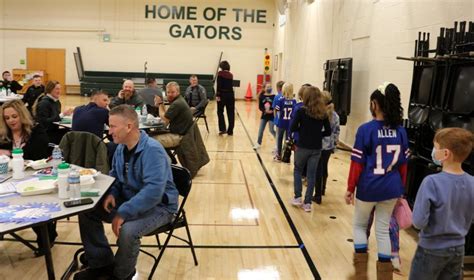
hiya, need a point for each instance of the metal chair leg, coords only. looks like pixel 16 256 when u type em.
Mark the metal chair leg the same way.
pixel 158 240
pixel 205 121
pixel 190 240
pixel 162 251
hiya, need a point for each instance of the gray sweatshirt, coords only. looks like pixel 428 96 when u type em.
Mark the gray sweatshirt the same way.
pixel 444 210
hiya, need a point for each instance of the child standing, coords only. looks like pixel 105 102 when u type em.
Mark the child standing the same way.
pixel 443 209
pixel 265 102
pixel 329 144
pixel 283 107
pixel 378 166
pixel 309 122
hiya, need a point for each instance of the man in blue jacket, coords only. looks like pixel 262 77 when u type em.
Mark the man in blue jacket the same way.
pixel 142 198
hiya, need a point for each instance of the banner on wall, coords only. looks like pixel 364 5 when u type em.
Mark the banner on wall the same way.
pixel 214 16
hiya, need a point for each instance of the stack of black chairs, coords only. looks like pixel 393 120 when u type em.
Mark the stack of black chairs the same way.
pixel 442 95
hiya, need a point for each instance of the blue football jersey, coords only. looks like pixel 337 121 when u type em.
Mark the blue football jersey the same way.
pixel 285 109
pixel 276 119
pixel 296 107
pixel 381 150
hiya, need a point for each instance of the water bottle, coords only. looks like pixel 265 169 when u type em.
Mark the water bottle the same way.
pixel 57 158
pixel 138 111
pixel 63 185
pixel 144 111
pixel 74 181
pixel 9 92
pixel 3 91
pixel 18 164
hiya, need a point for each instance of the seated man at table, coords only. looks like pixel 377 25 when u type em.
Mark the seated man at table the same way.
pixel 93 116
pixel 196 96
pixel 8 83
pixel 148 95
pixel 178 116
pixel 142 198
pixel 127 96
pixel 33 92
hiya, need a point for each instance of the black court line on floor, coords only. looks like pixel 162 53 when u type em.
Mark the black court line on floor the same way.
pixel 68 243
pixel 298 238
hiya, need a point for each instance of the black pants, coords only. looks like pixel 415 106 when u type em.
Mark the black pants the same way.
pixel 227 101
pixel 322 172
pixel 52 236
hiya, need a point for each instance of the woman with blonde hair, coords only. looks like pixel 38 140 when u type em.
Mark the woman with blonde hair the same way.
pixel 309 123
pixel 284 107
pixel 329 144
pixel 17 130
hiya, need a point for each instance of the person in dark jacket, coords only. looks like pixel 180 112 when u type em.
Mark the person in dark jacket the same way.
pixel 196 96
pixel 9 83
pixel 127 96
pixel 47 110
pixel 309 123
pixel 225 98
pixel 17 130
pixel 33 92
pixel 93 116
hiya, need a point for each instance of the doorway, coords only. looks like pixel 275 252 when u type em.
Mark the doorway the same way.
pixel 52 61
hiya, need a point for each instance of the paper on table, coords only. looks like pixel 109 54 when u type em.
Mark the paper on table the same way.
pixel 10 186
pixel 7 187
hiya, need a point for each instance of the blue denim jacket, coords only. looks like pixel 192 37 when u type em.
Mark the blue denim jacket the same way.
pixel 149 179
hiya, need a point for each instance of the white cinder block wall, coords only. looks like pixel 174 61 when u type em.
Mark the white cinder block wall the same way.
pixel 373 32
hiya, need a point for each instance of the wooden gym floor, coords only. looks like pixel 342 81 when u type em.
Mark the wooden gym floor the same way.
pixel 240 219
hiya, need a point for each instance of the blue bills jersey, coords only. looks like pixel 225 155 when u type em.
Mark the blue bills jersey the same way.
pixel 381 150
pixel 285 109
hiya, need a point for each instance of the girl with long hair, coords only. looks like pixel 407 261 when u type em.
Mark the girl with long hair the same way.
pixel 378 171
pixel 309 122
pixel 329 144
pixel 284 107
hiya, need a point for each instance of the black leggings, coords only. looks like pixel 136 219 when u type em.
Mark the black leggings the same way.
pixel 227 102
pixel 322 172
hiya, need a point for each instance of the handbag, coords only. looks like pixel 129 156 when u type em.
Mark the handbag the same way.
pixel 287 151
pixel 403 214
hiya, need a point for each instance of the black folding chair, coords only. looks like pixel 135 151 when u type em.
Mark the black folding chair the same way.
pixel 202 115
pixel 183 182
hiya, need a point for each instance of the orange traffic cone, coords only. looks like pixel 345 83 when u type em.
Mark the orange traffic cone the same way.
pixel 248 96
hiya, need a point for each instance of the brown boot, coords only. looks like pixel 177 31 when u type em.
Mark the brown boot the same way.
pixel 360 266
pixel 384 271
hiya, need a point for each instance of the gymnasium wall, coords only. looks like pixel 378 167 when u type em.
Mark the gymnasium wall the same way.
pixel 373 32
pixel 135 39
pixel 2 41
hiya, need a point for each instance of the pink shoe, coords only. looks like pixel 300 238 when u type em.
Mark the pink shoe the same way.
pixel 297 201
pixel 306 207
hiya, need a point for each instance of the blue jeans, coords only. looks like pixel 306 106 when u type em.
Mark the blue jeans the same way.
pixel 310 158
pixel 437 263
pixel 97 248
pixel 263 123
pixel 281 135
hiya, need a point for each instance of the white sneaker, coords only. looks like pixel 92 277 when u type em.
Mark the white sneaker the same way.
pixel 297 201
pixel 256 147
pixel 306 207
